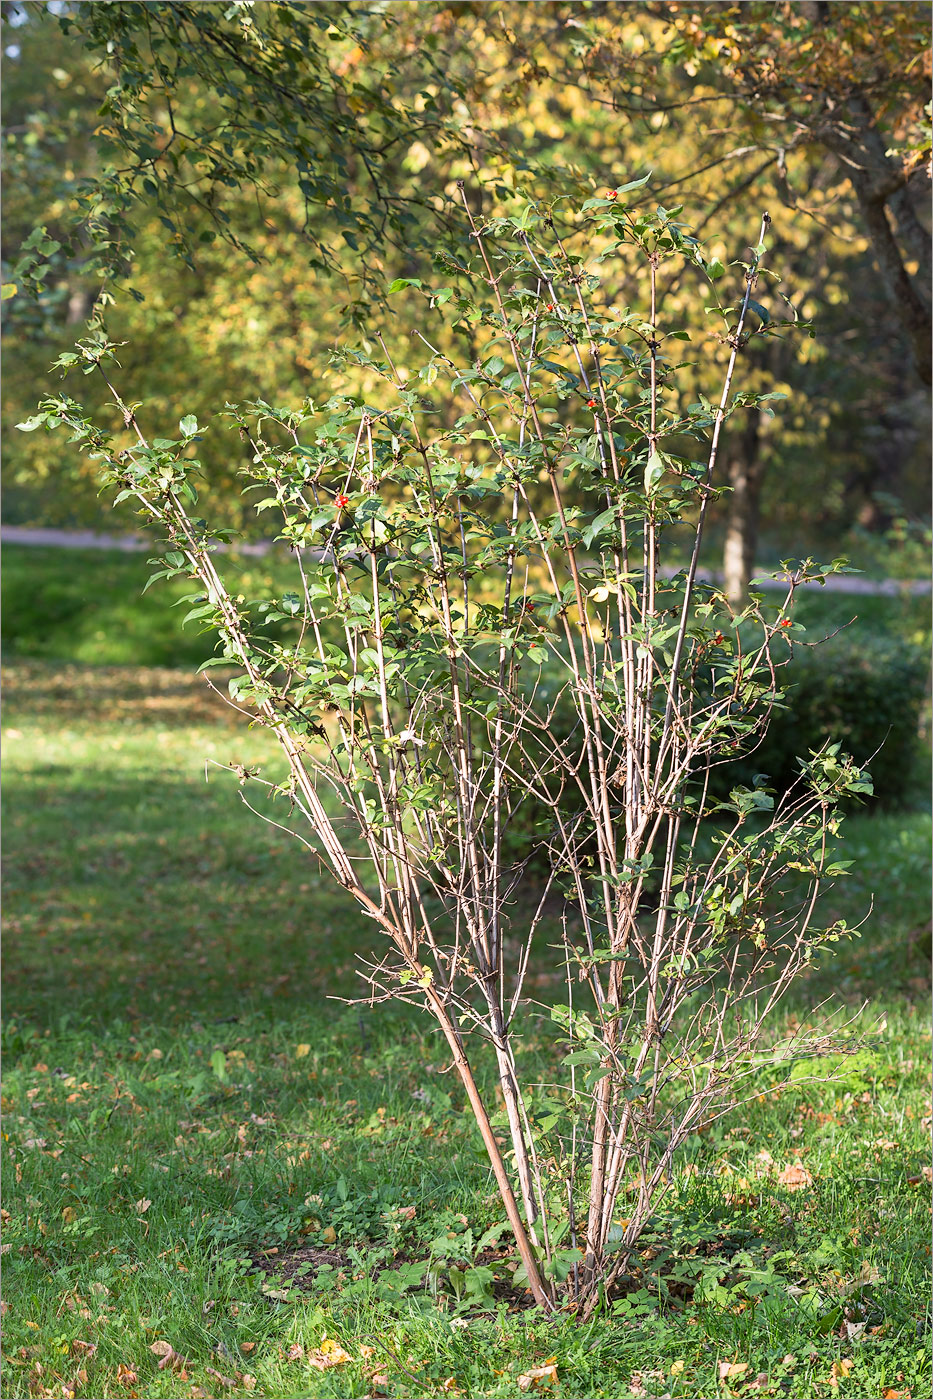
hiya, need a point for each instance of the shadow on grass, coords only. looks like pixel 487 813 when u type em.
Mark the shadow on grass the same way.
pixel 149 900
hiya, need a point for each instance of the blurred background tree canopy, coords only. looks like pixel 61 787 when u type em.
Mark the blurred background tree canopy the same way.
pixel 233 187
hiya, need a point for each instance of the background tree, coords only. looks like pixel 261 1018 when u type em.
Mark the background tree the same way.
pixel 278 196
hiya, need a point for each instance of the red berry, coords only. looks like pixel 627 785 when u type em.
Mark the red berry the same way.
pixel 613 194
pixel 591 403
pixel 342 501
pixel 786 622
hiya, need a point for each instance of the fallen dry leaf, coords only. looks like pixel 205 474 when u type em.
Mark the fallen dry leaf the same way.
pixel 69 1215
pixel 676 1368
pixel 83 1348
pixel 142 1206
pixel 169 1358
pixel 795 1177
pixel 839 1370
pixel 248 1382
pixel 329 1353
pixel 450 1386
pixel 227 1381
pixel 126 1376
pixel 538 1376
pixel 731 1370
pixel 247 1346
pixel 295 1352
pixel 301 1051
pixel 895 1395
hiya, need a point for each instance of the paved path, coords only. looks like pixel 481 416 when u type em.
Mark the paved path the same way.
pixel 88 539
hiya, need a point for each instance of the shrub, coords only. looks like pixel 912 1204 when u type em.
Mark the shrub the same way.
pixel 864 692
pixel 453 537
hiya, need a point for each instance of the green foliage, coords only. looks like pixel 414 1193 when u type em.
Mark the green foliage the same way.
pixel 500 95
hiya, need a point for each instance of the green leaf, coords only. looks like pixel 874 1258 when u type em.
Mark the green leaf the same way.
pixel 217 661
pixel 581 1057
pixel 653 471
pixel 633 184
pixel 401 282
pixel 189 425
pixel 9 290
pixel 219 1065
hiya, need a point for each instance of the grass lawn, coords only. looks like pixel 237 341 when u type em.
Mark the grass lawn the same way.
pixel 211 1165
pixel 87 605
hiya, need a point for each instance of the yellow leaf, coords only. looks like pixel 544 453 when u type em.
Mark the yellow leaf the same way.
pixel 329 1235
pixel 301 1051
pixel 730 1370
pixel 329 1353
pixel 677 1368
pixel 539 1376
pixel 840 1369
pixel 69 1214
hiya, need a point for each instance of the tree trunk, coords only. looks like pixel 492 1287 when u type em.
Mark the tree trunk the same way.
pixel 880 185
pixel 743 468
